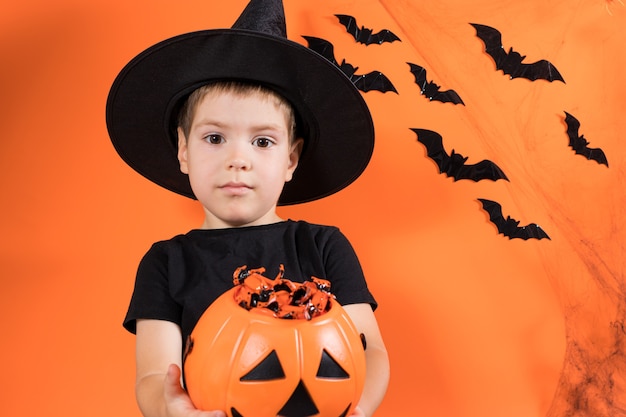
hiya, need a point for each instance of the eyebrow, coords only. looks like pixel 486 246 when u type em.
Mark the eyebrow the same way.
pixel 204 122
pixel 261 126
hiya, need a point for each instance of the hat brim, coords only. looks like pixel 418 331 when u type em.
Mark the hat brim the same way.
pixel 144 99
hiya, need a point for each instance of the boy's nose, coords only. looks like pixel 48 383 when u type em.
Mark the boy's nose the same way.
pixel 239 163
pixel 238 155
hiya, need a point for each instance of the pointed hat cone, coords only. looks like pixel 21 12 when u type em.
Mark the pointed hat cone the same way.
pixel 264 16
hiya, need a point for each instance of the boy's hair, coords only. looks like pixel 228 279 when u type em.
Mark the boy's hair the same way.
pixel 188 110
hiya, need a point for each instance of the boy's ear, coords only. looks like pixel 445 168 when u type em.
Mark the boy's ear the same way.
pixel 182 151
pixel 294 157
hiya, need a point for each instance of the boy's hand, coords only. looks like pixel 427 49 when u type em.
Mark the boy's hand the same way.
pixel 178 402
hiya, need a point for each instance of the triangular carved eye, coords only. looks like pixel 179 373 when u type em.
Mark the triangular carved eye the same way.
pixel 268 369
pixel 329 368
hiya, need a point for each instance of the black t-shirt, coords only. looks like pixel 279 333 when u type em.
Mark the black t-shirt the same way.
pixel 179 278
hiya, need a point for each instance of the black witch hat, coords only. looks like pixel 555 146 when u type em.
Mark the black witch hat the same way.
pixel 332 117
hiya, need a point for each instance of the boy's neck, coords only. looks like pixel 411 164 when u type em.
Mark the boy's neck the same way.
pixel 211 222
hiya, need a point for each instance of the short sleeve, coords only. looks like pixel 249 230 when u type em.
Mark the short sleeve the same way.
pixel 151 297
pixel 344 270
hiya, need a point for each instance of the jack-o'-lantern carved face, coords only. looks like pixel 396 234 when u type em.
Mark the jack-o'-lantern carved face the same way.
pixel 253 365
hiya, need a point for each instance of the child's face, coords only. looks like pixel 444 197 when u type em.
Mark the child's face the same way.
pixel 238 157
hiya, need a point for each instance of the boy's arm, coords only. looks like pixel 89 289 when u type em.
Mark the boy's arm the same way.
pixel 377 375
pixel 158 388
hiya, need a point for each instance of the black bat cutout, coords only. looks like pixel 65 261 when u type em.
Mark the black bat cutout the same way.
pixel 374 80
pixel 430 90
pixel 453 165
pixel 579 143
pixel 364 35
pixel 511 62
pixel 510 227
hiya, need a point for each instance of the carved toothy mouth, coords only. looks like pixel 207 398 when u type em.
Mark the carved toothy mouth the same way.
pixel 300 404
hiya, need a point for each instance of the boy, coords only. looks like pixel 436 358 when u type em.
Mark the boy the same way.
pixel 241 121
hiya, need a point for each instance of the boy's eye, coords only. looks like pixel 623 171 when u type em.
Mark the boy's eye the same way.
pixel 263 142
pixel 215 139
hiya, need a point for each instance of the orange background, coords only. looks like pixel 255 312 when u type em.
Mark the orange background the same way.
pixel 475 324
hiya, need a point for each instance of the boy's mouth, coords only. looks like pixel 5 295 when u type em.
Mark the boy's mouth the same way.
pixel 235 188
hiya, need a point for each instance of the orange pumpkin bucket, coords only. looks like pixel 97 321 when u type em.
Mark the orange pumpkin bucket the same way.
pixel 250 362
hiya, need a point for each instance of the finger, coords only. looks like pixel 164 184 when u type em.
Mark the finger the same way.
pixel 174 391
pixel 214 414
pixel 172 382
